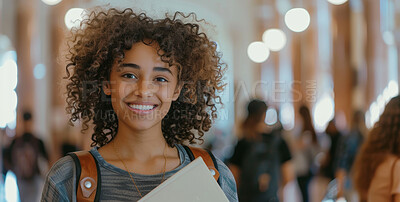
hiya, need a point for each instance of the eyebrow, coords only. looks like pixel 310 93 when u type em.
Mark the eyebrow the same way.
pixel 135 66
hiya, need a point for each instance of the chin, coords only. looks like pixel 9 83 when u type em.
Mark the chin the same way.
pixel 141 124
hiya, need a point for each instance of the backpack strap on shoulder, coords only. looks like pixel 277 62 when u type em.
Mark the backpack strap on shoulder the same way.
pixel 208 158
pixel 87 176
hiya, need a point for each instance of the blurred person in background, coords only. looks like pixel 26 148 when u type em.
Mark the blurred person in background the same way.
pixel 329 163
pixel 348 148
pixel 377 166
pixel 29 161
pixel 261 162
pixel 306 148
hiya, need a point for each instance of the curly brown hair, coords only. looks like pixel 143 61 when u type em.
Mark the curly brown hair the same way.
pixel 101 41
pixel 382 141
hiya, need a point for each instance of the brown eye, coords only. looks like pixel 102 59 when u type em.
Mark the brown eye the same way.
pixel 161 79
pixel 129 76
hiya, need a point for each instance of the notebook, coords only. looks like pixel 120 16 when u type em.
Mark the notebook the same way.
pixel 194 182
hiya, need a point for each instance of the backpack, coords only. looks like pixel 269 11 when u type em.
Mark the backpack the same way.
pixel 261 162
pixel 88 177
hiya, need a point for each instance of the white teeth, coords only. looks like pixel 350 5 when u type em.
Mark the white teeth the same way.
pixel 142 107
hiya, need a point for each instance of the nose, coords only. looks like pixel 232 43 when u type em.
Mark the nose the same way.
pixel 145 88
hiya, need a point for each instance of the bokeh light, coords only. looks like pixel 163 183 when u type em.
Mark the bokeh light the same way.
pixel 5 43
pixel 287 116
pixel 258 52
pixel 323 112
pixel 297 19
pixel 73 17
pixel 39 71
pixel 378 106
pixel 8 75
pixel 271 117
pixel 388 38
pixel 393 89
pixel 275 39
pixel 337 2
pixel 8 83
pixel 51 2
pixel 368 122
pixel 11 187
pixel 374 113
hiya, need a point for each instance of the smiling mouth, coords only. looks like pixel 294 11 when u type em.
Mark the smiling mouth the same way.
pixel 142 107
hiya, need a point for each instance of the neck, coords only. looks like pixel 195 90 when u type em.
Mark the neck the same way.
pixel 139 144
pixel 144 152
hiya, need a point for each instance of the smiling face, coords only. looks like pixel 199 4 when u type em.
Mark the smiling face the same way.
pixel 142 88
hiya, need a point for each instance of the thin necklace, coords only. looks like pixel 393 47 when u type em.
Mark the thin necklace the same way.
pixel 127 170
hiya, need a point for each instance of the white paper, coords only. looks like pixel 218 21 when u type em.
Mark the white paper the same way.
pixel 194 182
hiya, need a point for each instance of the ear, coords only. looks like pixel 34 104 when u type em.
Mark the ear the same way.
pixel 177 91
pixel 106 88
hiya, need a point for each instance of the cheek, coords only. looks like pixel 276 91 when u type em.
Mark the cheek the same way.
pixel 121 90
pixel 166 92
pixel 118 93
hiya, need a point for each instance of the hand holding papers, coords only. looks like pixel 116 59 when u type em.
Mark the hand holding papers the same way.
pixel 192 183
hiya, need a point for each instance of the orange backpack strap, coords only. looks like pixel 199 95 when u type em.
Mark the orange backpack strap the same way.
pixel 208 158
pixel 87 176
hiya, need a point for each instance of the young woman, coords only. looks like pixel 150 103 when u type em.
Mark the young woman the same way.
pixel 377 166
pixel 149 86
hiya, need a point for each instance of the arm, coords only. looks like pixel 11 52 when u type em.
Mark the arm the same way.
pixel 287 167
pixel 51 193
pixel 287 170
pixel 288 176
pixel 61 176
pixel 340 178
